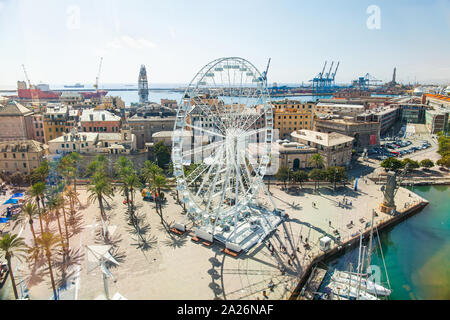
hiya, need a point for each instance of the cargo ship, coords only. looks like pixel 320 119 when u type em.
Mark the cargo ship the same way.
pixel 37 94
pixel 95 94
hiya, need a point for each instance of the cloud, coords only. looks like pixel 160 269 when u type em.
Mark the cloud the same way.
pixel 126 41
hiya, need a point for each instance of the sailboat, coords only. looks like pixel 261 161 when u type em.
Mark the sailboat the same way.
pixel 352 279
pixel 356 285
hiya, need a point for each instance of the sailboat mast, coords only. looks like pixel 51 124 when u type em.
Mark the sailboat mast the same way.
pixel 369 253
pixel 360 273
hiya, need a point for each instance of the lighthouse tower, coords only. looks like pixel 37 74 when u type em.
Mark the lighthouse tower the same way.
pixel 143 85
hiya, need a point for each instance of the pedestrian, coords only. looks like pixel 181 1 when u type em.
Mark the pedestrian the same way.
pixel 350 203
pixel 264 294
pixel 329 222
pixel 298 250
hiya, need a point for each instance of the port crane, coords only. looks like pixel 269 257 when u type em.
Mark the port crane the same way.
pixel 34 95
pixel 98 75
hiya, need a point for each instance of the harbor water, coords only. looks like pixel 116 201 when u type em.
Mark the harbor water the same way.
pixel 416 251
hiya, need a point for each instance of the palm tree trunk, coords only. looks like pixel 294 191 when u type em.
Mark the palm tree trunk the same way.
pixel 32 230
pixel 40 216
pixel 100 204
pixel 13 282
pixel 60 232
pixel 65 227
pixel 49 261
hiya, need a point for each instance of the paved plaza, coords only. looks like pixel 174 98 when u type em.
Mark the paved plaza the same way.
pixel 174 267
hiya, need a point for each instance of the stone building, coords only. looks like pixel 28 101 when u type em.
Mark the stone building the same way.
pixel 335 148
pixel 16 122
pixel 21 156
pixel 365 133
pixel 149 120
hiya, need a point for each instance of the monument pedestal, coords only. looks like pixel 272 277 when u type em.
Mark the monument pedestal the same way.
pixel 386 209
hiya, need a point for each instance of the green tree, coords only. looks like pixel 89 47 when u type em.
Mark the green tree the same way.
pixel 426 163
pixel 28 213
pixel 38 192
pixel 391 164
pixel 161 154
pixel 444 161
pixel 444 145
pixel 40 174
pixel 412 164
pixel 316 175
pixel 99 188
pixel 54 205
pixel 282 174
pixel 335 174
pixel 12 246
pixel 316 161
pixel 300 176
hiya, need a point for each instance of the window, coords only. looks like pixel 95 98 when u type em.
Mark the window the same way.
pixel 84 129
pixel 14 155
pixel 24 165
pixel 56 129
pixel 67 146
pixel 74 146
pixel 49 129
pixel 37 126
pixel 90 129
pixel 62 145
pixel 37 133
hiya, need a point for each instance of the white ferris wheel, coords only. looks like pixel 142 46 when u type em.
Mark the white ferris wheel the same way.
pixel 222 143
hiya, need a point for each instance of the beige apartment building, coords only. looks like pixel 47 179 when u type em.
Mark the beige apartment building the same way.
pixel 21 156
pixel 335 148
pixel 291 115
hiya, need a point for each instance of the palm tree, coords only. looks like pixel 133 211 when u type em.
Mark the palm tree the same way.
pixel 40 174
pixel 10 246
pixel 49 243
pixel 28 212
pixel 160 182
pixel 38 191
pixel 75 158
pixel 316 160
pixel 129 185
pixel 149 171
pixel 61 202
pixel 98 165
pixel 99 188
pixel 54 204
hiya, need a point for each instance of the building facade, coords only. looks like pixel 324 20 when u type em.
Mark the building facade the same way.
pixel 99 121
pixel 21 156
pixel 16 122
pixel 58 119
pixel 291 115
pixel 365 134
pixel 335 148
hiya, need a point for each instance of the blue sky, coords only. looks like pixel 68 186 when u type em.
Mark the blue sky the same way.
pixel 174 39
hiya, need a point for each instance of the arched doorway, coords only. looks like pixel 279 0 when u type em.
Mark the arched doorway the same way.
pixel 296 164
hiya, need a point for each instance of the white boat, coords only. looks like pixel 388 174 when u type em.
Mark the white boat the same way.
pixel 346 291
pixel 353 280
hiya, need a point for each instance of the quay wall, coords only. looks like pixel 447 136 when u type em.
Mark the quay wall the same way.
pixel 354 242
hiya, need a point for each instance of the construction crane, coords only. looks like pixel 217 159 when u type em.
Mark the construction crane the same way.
pixel 334 75
pixel 34 95
pixel 98 75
